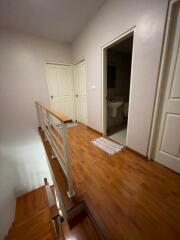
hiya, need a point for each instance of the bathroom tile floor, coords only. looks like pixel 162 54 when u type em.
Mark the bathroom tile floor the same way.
pixel 120 136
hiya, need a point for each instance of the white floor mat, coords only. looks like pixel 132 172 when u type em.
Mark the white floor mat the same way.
pixel 107 146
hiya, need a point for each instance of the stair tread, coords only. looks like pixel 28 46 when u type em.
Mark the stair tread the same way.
pixel 37 230
pixel 80 227
pixel 43 236
pixel 41 215
pixel 32 217
pixel 30 202
pixel 33 231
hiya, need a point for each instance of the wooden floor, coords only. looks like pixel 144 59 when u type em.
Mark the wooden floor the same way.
pixel 130 197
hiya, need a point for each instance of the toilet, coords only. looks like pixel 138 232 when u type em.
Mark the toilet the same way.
pixel 113 106
pixel 117 110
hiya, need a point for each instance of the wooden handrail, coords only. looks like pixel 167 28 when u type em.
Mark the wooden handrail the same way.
pixel 60 116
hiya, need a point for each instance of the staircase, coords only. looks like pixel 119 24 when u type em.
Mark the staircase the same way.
pixel 37 217
pixel 32 217
pixel 78 217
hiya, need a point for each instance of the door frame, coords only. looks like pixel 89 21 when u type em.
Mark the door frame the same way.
pixel 61 64
pixel 75 63
pixel 104 76
pixel 53 63
pixel 79 60
pixel 160 81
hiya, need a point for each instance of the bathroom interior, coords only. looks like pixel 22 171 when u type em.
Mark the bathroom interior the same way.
pixel 119 58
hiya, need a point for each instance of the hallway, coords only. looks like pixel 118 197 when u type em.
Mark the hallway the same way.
pixel 135 199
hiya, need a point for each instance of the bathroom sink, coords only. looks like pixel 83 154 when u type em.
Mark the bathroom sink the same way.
pixel 115 104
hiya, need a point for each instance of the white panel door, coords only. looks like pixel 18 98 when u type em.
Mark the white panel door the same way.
pixel 167 150
pixel 60 85
pixel 80 92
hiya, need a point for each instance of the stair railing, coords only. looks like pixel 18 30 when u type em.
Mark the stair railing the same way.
pixel 55 216
pixel 54 126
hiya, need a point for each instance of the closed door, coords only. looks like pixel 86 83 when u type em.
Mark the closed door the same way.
pixel 80 92
pixel 167 150
pixel 60 86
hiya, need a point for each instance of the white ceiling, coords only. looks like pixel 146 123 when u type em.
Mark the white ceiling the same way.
pixel 56 19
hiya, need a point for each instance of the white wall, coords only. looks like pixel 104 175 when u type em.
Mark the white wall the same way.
pixel 114 18
pixel 22 81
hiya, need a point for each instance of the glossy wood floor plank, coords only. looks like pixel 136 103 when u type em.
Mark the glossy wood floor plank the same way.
pixel 32 217
pixel 136 199
pixel 30 203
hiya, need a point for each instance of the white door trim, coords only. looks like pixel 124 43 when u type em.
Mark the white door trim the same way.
pixel 58 63
pixel 104 77
pixel 75 63
pixel 81 60
pixel 166 39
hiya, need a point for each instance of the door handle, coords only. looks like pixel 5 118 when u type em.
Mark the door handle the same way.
pixel 51 97
pixel 76 95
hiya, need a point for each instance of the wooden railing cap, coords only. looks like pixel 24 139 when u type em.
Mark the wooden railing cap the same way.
pixel 60 116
